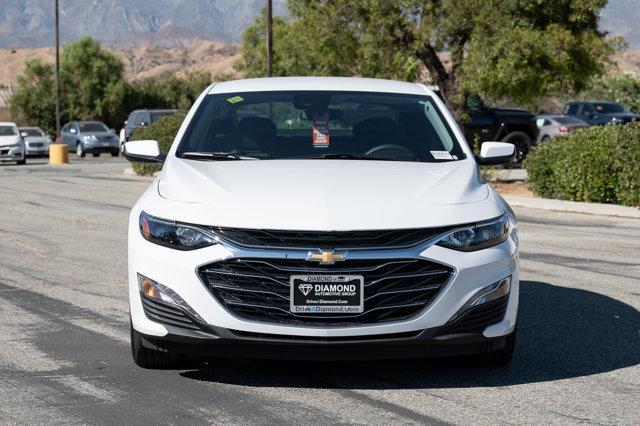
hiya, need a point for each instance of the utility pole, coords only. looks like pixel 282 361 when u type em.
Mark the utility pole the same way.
pixel 57 31
pixel 269 38
pixel 58 152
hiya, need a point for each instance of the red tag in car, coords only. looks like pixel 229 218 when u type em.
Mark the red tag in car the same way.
pixel 321 130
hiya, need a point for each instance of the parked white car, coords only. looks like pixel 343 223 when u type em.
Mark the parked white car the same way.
pixel 11 144
pixel 36 141
pixel 321 218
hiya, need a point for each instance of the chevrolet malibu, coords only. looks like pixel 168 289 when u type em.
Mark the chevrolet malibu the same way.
pixel 321 218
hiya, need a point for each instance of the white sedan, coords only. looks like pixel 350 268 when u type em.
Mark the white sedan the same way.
pixel 12 146
pixel 321 218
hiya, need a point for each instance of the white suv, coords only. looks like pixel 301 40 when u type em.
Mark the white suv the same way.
pixel 321 218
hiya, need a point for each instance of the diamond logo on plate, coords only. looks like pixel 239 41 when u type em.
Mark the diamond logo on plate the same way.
pixel 305 288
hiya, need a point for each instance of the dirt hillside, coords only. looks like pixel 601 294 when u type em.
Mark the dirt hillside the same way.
pixel 140 62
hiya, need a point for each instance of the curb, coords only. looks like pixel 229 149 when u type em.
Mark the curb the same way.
pixel 573 207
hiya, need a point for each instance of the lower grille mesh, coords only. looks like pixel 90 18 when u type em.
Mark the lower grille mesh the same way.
pixel 167 314
pixel 258 289
pixel 476 319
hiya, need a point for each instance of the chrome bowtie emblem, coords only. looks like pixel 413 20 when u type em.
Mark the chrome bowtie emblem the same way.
pixel 326 257
pixel 305 288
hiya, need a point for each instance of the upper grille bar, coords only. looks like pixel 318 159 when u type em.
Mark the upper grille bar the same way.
pixel 352 240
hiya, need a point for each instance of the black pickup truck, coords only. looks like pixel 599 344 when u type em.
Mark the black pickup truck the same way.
pixel 512 125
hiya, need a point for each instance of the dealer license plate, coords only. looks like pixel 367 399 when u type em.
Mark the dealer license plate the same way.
pixel 327 294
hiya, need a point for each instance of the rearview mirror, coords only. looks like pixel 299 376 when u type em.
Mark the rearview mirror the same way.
pixel 143 152
pixel 496 153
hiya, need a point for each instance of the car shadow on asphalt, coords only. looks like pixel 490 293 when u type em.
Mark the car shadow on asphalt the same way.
pixel 563 333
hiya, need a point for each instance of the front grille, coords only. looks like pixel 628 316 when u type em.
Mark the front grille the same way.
pixel 476 319
pixel 258 289
pixel 36 145
pixel 396 238
pixel 167 314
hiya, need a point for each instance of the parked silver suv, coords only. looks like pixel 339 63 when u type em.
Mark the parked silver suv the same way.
pixel 90 137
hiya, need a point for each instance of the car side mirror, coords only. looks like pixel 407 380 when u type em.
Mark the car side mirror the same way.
pixel 112 131
pixel 74 131
pixel 492 153
pixel 143 152
pixel 24 135
pixel 126 122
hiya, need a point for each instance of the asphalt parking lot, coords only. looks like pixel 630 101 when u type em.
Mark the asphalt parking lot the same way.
pixel 65 357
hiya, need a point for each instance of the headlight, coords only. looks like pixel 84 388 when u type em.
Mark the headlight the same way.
pixel 173 235
pixel 90 138
pixel 477 237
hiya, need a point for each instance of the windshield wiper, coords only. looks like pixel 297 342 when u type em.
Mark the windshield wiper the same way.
pixel 345 156
pixel 215 156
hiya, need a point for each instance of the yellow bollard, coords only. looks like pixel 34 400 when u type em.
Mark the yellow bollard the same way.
pixel 58 153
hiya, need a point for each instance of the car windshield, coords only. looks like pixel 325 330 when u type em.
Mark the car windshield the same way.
pixel 320 124
pixel 92 127
pixel 568 120
pixel 609 108
pixel 32 132
pixel 7 131
pixel 159 114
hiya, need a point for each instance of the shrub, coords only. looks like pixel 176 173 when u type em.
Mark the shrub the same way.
pixel 164 131
pixel 598 164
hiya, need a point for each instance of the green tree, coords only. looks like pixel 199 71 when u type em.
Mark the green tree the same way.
pixel 522 49
pixel 624 89
pixel 33 101
pixel 92 81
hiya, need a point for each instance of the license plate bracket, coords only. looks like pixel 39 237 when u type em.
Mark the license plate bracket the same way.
pixel 330 294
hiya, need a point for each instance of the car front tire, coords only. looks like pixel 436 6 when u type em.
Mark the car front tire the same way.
pixel 151 358
pixel 522 142
pixel 115 153
pixel 22 162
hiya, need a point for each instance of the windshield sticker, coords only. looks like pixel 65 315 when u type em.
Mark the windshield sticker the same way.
pixel 321 137
pixel 441 155
pixel 235 99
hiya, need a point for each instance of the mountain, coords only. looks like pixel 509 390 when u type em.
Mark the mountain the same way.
pixel 176 23
pixel 621 17
pixel 30 23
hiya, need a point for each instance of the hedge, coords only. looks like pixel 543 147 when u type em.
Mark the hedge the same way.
pixel 164 131
pixel 598 164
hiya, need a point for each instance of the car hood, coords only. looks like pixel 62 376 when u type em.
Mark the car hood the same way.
pixel 322 194
pixel 98 134
pixel 9 140
pixel 43 139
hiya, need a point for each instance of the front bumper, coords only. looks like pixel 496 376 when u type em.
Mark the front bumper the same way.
pixel 99 146
pixel 12 153
pixel 223 333
pixel 220 342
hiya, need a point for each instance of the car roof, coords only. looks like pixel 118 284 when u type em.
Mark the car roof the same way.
pixel 30 127
pixel 89 121
pixel 154 110
pixel 593 102
pixel 7 123
pixel 346 84
pixel 551 116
